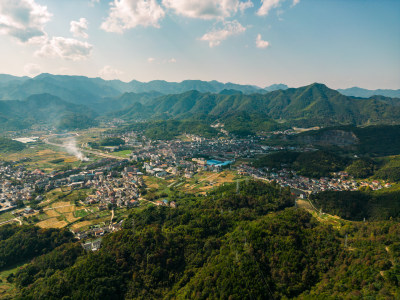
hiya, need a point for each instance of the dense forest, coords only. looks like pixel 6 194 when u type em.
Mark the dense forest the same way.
pixel 313 164
pixel 21 243
pixel 322 163
pixel 44 109
pixel 170 129
pixel 72 121
pixel 231 244
pixel 312 105
pixel 243 123
pixel 372 141
pixel 357 205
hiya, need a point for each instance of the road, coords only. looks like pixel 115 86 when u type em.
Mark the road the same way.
pixel 46 140
pixel 11 220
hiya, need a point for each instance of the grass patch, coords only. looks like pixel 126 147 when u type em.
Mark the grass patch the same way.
pixel 80 213
pixel 5 216
pixel 123 153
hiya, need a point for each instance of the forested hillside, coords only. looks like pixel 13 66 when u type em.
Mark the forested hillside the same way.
pixel 305 106
pixel 357 205
pixel 243 114
pixel 231 244
pixel 315 164
pixel 21 243
pixel 44 109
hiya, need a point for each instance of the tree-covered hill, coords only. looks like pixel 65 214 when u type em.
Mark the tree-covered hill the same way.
pixel 374 140
pixel 21 243
pixel 246 244
pixel 305 106
pixel 170 129
pixel 44 109
pixel 357 205
pixel 312 164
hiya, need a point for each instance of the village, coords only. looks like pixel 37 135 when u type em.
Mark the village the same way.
pixel 111 184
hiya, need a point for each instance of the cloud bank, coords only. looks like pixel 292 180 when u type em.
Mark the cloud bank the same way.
pixel 23 19
pixel 65 48
pixel 126 14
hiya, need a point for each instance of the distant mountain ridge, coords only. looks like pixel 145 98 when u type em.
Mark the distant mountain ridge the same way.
pixel 314 104
pixel 365 93
pixel 275 87
pixel 81 89
pixel 79 99
pixel 44 109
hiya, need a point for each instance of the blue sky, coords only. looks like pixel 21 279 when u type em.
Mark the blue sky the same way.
pixel 341 43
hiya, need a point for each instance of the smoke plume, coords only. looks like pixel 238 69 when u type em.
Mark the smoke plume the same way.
pixel 70 146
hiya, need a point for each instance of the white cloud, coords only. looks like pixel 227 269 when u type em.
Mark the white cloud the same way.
pixel 110 73
pixel 78 28
pixel 172 60
pixel 215 36
pixel 23 19
pixel 32 69
pixel 151 59
pixel 245 5
pixel 260 43
pixel 126 14
pixel 65 48
pixel 207 9
pixel 267 5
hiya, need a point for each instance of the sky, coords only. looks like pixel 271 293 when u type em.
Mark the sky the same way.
pixel 341 43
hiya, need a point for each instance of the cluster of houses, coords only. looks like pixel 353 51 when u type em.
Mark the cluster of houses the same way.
pixel 340 182
pixel 121 189
pixel 17 184
pixel 164 159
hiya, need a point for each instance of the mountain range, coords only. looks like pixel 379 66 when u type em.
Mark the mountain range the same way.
pixel 79 89
pixel 315 104
pixel 44 109
pixel 78 102
pixel 364 93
